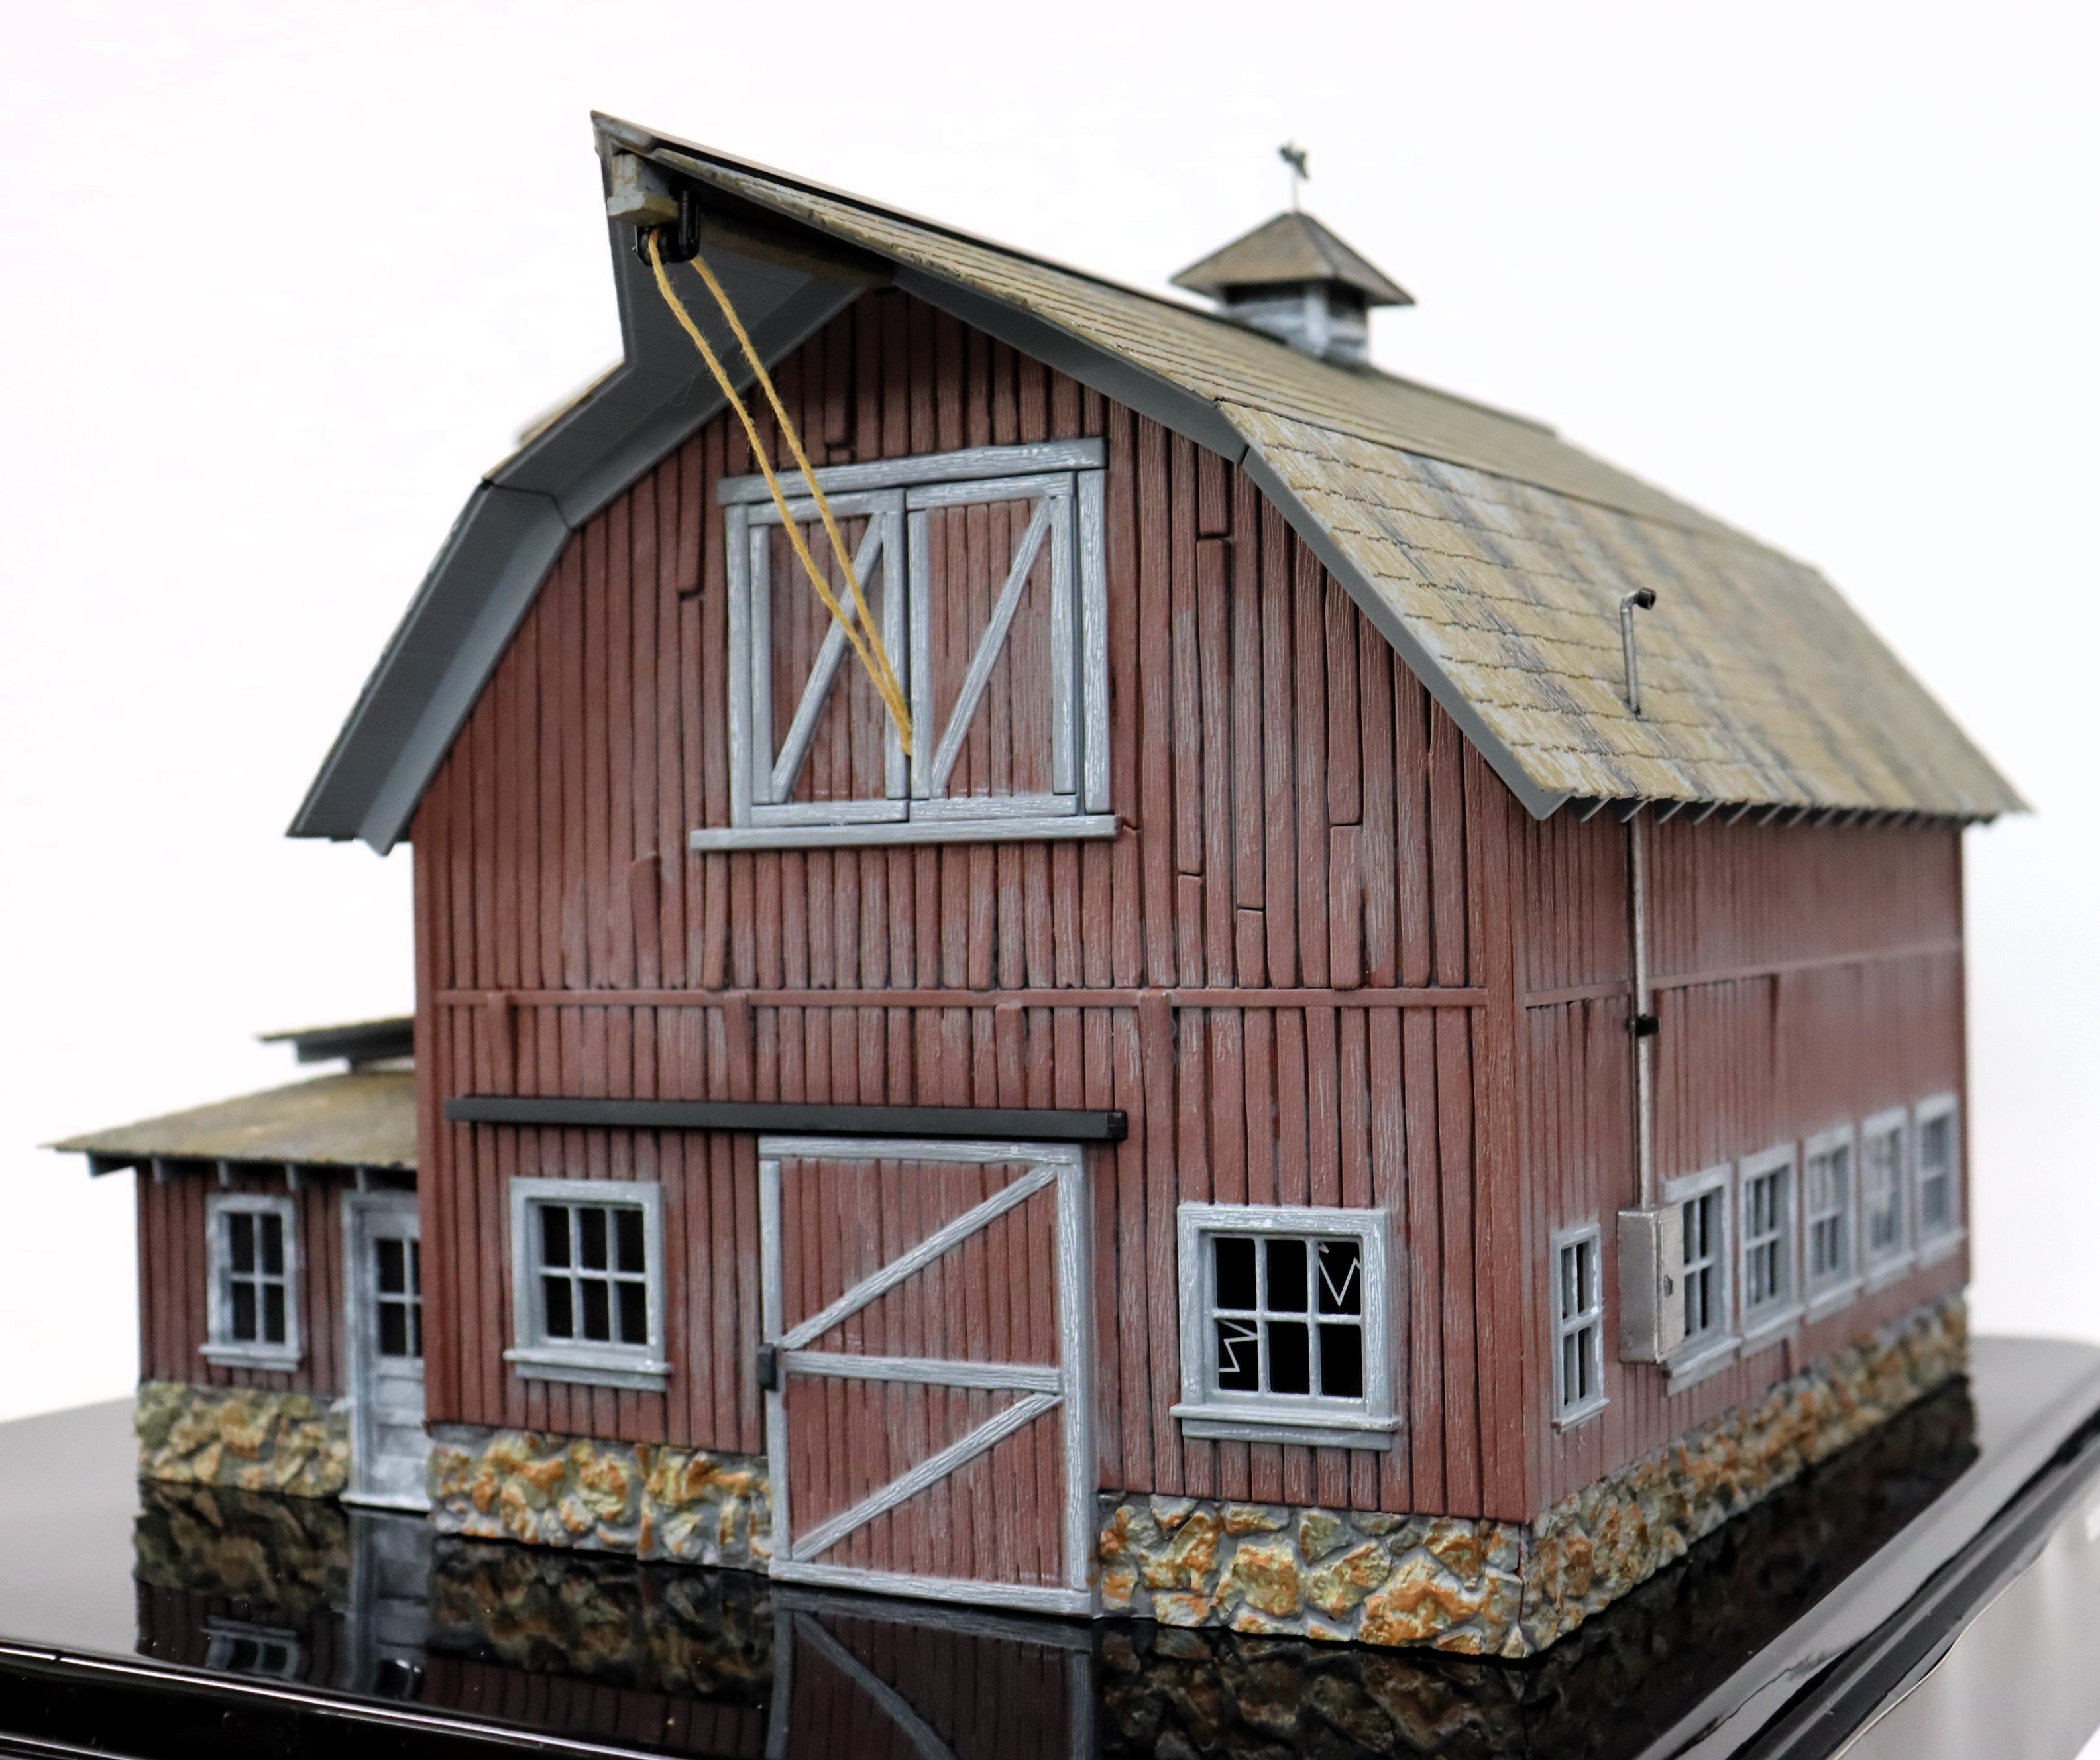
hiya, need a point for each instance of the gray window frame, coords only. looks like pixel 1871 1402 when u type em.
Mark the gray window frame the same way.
pixel 1772 1318
pixel 220 1346
pixel 1206 1410
pixel 1942 1241
pixel 1826 1292
pixel 1896 1261
pixel 1585 1324
pixel 897 496
pixel 536 1356
pixel 1703 1353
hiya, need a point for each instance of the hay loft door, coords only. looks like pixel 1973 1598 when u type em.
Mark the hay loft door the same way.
pixel 929 1400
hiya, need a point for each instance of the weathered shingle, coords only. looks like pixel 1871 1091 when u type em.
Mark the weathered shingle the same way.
pixel 1503 552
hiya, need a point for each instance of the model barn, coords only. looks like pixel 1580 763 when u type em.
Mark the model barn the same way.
pixel 1369 1041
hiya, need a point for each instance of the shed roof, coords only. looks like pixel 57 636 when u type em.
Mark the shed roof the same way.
pixel 1491 554
pixel 1289 249
pixel 363 1119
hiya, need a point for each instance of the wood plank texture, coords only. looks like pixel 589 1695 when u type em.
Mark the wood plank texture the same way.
pixel 1301 966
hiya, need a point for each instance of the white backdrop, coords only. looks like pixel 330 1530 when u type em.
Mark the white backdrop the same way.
pixel 276 283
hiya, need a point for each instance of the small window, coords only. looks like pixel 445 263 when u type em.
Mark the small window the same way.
pixel 253 1257
pixel 400 1297
pixel 1766 1202
pixel 986 573
pixel 235 1646
pixel 1938 1172
pixel 1708 1278
pixel 1885 1243
pixel 1284 1324
pixel 1830 1202
pixel 1578 1324
pixel 587 1282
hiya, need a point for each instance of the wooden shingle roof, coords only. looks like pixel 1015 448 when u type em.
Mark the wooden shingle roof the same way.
pixel 1492 554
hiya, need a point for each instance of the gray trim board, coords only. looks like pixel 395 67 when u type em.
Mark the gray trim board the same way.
pixel 1021 1123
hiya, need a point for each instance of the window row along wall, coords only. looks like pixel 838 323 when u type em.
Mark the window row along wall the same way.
pixel 1324 960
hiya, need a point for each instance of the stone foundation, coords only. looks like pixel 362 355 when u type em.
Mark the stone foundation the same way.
pixel 650 1501
pixel 242 1439
pixel 1493 1588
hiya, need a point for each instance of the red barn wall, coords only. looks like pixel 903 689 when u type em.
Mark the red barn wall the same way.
pixel 1807 975
pixel 1284 968
pixel 175 1281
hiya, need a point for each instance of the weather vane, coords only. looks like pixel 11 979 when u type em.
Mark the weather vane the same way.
pixel 1295 156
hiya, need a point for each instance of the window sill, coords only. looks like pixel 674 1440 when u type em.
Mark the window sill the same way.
pixel 1941 1246
pixel 638 1374
pixel 1031 829
pixel 279 1359
pixel 1690 1367
pixel 1893 1271
pixel 1323 1430
pixel 1825 1303
pixel 1769 1329
pixel 1577 1416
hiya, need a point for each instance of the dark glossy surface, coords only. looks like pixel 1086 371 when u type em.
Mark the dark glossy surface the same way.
pixel 253 1624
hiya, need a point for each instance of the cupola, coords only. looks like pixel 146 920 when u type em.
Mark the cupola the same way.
pixel 1293 278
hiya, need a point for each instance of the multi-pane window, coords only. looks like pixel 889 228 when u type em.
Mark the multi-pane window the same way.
pixel 1939 1170
pixel 1766 1203
pixel 1578 1322
pixel 587 1281
pixel 1827 1176
pixel 1884 1221
pixel 1706 1292
pixel 1288 1314
pixel 1284 1324
pixel 984 576
pixel 254 1257
pixel 400 1297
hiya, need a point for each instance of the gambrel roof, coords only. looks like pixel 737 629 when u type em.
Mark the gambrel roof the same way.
pixel 1489 551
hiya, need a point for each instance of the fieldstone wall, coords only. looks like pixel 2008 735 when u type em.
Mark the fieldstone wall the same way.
pixel 243 1438
pixel 1490 1588
pixel 649 1501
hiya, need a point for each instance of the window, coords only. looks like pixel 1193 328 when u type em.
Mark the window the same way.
pixel 587 1272
pixel 399 1299
pixel 985 571
pixel 1284 1325
pixel 254 1302
pixel 1766 1199
pixel 1884 1193
pixel 1579 1323
pixel 1939 1173
pixel 1710 1334
pixel 237 1648
pixel 1826 1178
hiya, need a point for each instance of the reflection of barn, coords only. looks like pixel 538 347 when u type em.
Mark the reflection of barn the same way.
pixel 1400 971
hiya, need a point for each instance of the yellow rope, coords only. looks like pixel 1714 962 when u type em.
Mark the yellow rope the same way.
pixel 871 652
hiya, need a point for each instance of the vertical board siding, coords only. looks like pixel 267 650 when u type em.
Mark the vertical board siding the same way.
pixel 175 1280
pixel 1806 976
pixel 1295 810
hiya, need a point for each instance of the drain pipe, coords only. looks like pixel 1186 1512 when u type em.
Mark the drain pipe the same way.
pixel 1644 1022
pixel 1641 598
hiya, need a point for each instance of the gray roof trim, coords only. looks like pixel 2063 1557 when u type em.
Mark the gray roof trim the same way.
pixel 513 529
pixel 1539 803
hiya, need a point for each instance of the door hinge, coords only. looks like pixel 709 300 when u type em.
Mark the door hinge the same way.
pixel 769 1369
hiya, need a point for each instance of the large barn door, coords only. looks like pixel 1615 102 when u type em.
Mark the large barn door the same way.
pixel 928 1399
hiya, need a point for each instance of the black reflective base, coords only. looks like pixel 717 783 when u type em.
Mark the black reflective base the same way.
pixel 249 1624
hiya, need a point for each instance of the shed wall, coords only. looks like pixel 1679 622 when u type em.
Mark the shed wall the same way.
pixel 174 1282
pixel 1806 976
pixel 1283 967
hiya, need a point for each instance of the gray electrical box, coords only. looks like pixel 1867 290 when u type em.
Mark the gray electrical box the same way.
pixel 1651 1283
